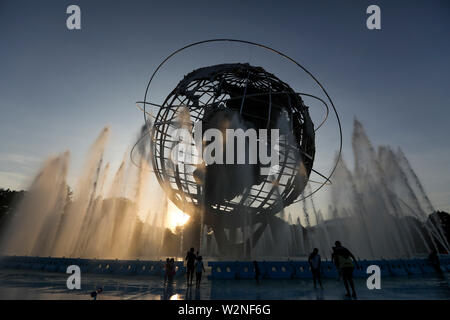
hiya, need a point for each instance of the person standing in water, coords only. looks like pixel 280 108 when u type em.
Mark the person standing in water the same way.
pixel 190 265
pixel 314 262
pixel 342 257
pixel 199 268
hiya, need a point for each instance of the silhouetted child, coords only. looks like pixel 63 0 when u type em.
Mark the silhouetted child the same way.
pixel 199 268
pixel 166 270
pixel 314 262
pixel 171 270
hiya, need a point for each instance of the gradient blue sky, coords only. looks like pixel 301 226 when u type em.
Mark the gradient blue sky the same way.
pixel 58 88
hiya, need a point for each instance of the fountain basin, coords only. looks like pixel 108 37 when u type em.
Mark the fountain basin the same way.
pixel 233 270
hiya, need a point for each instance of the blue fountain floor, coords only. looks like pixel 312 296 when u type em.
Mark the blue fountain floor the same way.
pixel 21 284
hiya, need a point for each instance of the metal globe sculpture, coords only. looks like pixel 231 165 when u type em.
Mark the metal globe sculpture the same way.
pixel 226 196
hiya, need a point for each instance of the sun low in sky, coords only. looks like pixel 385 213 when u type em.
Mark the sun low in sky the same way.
pixel 175 217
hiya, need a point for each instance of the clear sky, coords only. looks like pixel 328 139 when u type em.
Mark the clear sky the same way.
pixel 58 88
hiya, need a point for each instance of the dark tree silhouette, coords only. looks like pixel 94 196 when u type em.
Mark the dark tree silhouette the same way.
pixel 441 220
pixel 8 202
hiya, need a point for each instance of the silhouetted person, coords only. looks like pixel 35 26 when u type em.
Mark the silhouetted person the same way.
pixel 199 268
pixel 190 265
pixel 342 257
pixel 314 262
pixel 171 269
pixel 257 272
pixel 166 270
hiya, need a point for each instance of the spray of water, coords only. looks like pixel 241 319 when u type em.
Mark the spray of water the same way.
pixel 379 209
pixel 124 218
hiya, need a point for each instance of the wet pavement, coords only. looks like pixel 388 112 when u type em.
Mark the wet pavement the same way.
pixel 22 284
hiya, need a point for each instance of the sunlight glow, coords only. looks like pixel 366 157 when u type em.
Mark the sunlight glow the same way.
pixel 175 217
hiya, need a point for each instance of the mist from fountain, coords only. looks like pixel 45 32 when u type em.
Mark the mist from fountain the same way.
pixel 119 219
pixel 379 209
pixel 373 210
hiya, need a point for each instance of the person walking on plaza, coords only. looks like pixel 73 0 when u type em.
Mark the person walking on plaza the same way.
pixel 314 262
pixel 166 270
pixel 199 268
pixel 342 257
pixel 171 271
pixel 190 265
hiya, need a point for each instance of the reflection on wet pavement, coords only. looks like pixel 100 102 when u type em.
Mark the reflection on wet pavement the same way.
pixel 21 284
